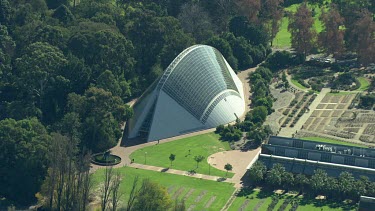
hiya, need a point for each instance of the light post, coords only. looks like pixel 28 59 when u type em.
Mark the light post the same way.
pixel 145 157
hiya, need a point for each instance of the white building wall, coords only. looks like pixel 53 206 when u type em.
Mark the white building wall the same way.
pixel 224 111
pixel 170 119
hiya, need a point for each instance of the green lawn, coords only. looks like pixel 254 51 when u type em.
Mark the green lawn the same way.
pixel 282 38
pixel 331 141
pixel 365 84
pixel 254 197
pixel 296 83
pixel 177 185
pixel 206 145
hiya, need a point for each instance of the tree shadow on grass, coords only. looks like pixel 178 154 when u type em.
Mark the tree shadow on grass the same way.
pixel 306 200
pixel 245 192
pixel 264 193
pixel 245 181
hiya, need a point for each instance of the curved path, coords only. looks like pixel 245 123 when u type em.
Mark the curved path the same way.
pixel 243 76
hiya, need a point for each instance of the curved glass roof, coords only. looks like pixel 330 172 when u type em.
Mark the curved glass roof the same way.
pixel 195 77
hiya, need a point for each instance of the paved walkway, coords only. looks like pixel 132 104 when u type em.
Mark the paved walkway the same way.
pixel 174 171
pixel 288 132
pixel 238 159
pixel 243 76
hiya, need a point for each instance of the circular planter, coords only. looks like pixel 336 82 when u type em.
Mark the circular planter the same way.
pixel 105 160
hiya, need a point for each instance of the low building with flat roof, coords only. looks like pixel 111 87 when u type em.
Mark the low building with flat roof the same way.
pixel 302 156
pixel 366 203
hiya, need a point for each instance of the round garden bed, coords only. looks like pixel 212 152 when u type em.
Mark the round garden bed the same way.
pixel 105 159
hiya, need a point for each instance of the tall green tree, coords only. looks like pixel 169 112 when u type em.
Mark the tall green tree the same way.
pixel 5 12
pixel 24 147
pixel 228 167
pixel 346 184
pixel 101 114
pixel 198 159
pixel 301 181
pixel 39 70
pixel 257 172
pixel 172 157
pixel 318 181
pixel 152 196
pixel 275 175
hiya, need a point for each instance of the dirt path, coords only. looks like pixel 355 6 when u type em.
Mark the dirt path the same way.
pixel 246 87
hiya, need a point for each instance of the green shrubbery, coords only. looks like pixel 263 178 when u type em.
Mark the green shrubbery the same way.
pixel 341 188
pixel 262 103
pixel 367 101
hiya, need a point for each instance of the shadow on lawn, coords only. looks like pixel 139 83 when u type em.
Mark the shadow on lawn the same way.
pixel 306 200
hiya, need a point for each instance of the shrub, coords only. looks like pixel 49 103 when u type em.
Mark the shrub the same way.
pixel 293 103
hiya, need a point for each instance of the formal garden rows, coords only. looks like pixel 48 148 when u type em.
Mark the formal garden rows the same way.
pixel 197 194
pixel 297 108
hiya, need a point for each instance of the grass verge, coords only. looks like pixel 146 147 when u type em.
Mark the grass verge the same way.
pixel 365 84
pixel 185 149
pixel 326 140
pixel 296 83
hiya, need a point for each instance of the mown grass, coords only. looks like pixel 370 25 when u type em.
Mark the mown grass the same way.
pixel 297 84
pixel 283 37
pixel 326 140
pixel 256 196
pixel 365 84
pixel 205 145
pixel 173 183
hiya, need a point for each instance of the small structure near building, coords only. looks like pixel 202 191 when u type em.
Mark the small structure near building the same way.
pixel 366 203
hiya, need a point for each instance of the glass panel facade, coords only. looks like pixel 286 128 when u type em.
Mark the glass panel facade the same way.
pixel 187 81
